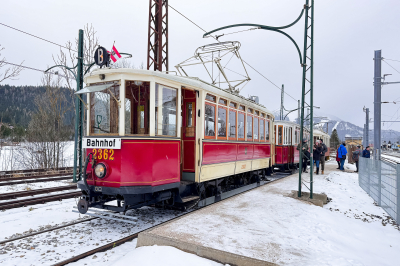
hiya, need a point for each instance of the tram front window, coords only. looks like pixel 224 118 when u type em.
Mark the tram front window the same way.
pixel 137 105
pixel 104 111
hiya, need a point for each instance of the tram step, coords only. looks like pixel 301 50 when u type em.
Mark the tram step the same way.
pixel 189 198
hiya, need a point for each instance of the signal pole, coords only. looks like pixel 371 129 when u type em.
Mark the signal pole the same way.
pixel 282 95
pixel 157 45
pixel 377 104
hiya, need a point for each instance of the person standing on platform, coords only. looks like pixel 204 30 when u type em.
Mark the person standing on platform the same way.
pixel 305 154
pixel 337 157
pixel 356 156
pixel 342 152
pixel 324 150
pixel 366 153
pixel 317 156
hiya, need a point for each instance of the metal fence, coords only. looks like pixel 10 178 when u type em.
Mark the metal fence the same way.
pixel 381 180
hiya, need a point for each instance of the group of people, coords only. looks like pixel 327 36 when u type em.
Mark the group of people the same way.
pixel 319 151
pixel 342 153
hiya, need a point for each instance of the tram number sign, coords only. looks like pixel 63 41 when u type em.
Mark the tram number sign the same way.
pixel 103 154
pixel 101 143
pixel 101 56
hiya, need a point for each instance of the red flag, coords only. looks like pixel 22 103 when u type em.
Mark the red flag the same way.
pixel 114 54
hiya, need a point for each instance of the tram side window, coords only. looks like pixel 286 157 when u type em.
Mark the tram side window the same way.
pixel 256 128
pixel 232 124
pixel 104 112
pixel 267 130
pixel 249 127
pixel 209 120
pixel 137 107
pixel 241 125
pixel 222 122
pixel 280 135
pixel 262 131
pixel 165 110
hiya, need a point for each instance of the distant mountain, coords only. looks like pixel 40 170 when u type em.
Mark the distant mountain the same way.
pixel 347 129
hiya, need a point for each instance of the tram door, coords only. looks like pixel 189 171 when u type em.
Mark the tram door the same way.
pixel 188 134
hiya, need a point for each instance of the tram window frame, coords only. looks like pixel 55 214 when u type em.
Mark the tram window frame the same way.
pixel 275 138
pixel 113 115
pixel 211 98
pixel 215 120
pixel 267 130
pixel 262 131
pixel 164 131
pixel 229 124
pixel 232 105
pixel 280 135
pixel 226 118
pixel 242 108
pixel 222 101
pixel 247 126
pixel 244 125
pixel 254 128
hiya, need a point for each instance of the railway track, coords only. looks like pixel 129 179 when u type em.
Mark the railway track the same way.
pixel 33 179
pixel 27 172
pixel 135 235
pixel 20 194
pixel 37 200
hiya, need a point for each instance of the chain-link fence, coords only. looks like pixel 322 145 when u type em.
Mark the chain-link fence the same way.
pixel 381 180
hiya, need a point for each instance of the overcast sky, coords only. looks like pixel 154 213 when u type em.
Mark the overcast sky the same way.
pixel 346 35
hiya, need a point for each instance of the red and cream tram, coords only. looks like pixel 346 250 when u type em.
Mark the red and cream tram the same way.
pixel 287 137
pixel 156 138
pixel 321 135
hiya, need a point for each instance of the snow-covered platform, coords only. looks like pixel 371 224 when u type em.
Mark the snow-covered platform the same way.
pixel 267 227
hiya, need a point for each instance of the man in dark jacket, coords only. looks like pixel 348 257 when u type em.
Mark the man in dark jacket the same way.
pixel 342 155
pixel 317 156
pixel 356 156
pixel 366 153
pixel 305 154
pixel 324 149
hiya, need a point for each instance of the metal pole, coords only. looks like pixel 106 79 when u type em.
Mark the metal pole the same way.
pixel 377 118
pixel 298 111
pixel 377 104
pixel 308 115
pixel 78 113
pixel 364 137
pixel 312 101
pixel 282 94
pixel 303 88
pixel 367 126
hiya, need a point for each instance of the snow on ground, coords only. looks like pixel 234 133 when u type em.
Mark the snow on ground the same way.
pixel 10 156
pixel 267 224
pixel 51 247
pixel 393 158
pixel 128 254
pixel 33 186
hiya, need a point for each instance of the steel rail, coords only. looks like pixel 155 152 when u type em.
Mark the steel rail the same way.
pixel 8 172
pixel 38 200
pixel 135 235
pixel 45 231
pixel 35 181
pixel 33 177
pixel 20 194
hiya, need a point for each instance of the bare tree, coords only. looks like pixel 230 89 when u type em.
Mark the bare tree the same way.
pixel 9 72
pixel 47 133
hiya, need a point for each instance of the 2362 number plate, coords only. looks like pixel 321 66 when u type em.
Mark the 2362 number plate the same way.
pixel 103 154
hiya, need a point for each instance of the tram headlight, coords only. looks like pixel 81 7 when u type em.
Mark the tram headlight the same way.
pixel 100 170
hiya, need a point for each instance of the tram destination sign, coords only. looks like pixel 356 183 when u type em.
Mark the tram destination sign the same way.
pixel 101 143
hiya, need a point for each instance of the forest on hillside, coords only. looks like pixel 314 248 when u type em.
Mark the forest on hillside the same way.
pixel 17 104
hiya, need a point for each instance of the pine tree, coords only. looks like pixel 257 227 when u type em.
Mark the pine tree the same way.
pixel 334 139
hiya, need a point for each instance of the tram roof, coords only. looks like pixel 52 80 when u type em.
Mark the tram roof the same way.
pixel 186 81
pixel 285 122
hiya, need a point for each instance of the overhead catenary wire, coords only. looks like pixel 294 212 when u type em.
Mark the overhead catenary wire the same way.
pixel 220 42
pixel 31 68
pixel 40 38
pixel 390 66
pixel 391 59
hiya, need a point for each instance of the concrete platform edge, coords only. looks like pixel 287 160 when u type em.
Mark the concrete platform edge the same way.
pixel 149 239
